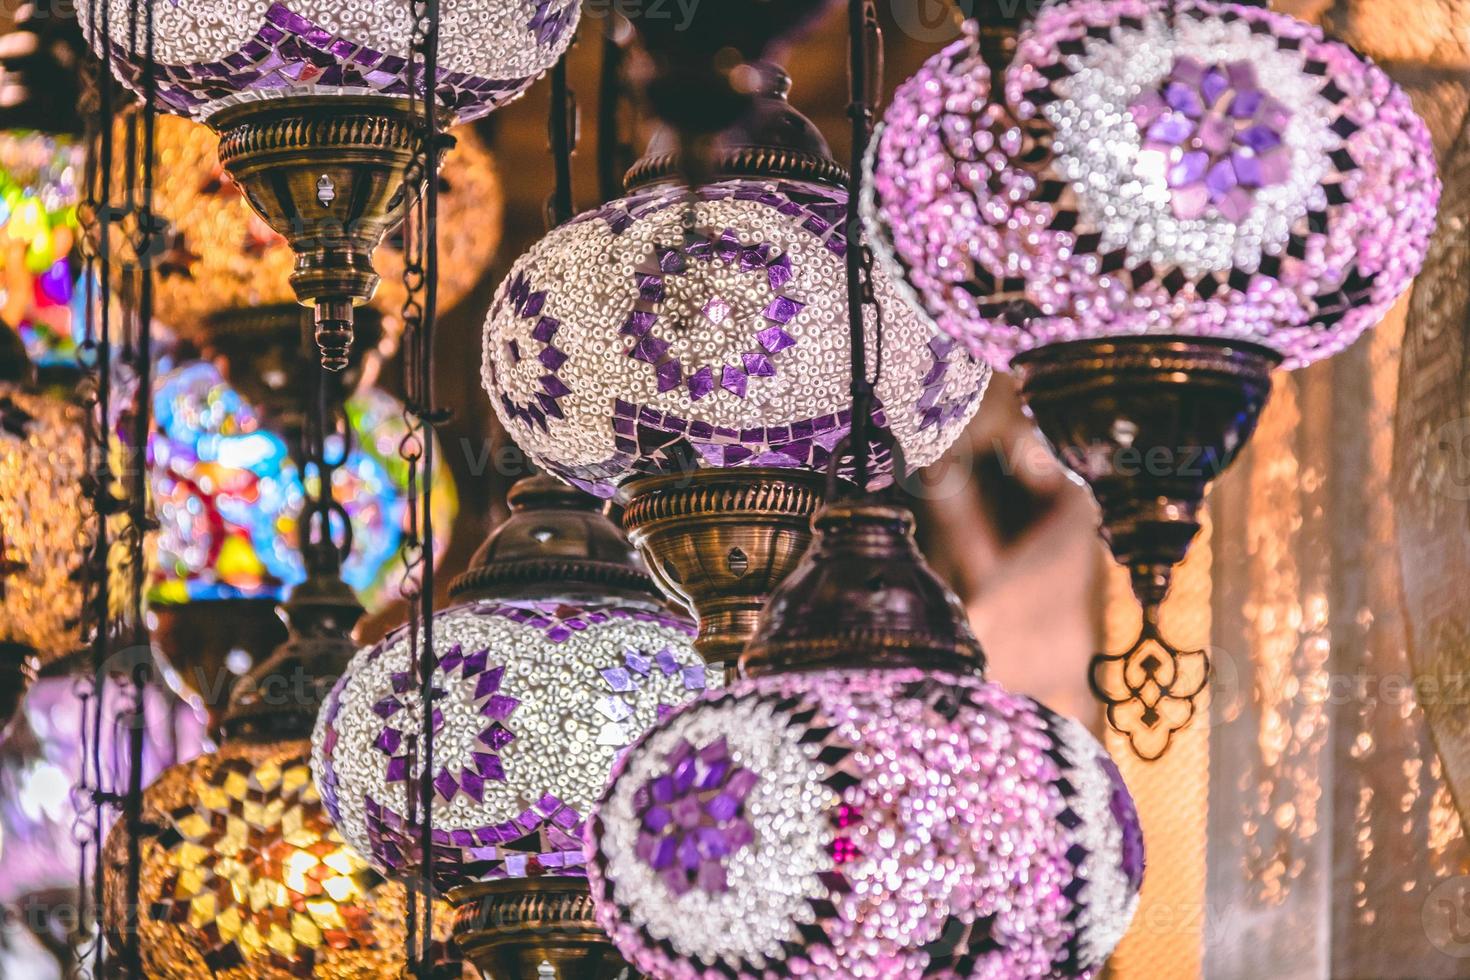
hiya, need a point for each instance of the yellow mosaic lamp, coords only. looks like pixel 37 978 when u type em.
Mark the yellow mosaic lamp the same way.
pixel 243 874
pixel 43 517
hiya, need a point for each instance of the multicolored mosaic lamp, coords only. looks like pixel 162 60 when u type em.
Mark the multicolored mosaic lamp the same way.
pixel 864 803
pixel 244 874
pixel 43 524
pixel 689 355
pixel 556 655
pixel 310 98
pixel 229 499
pixel 40 295
pixel 41 174
pixel 1172 199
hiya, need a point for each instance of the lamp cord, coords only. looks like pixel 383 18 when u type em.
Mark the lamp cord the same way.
pixel 140 193
pixel 561 128
pixel 862 26
pixel 421 415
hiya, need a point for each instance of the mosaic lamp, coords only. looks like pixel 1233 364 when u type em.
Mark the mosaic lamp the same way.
pixel 244 874
pixel 688 355
pixel 311 102
pixel 229 494
pixel 1167 201
pixel 863 803
pixel 557 653
pixel 43 524
pixel 41 175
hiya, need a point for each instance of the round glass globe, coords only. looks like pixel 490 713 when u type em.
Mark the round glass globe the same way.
pixel 923 825
pixel 229 497
pixel 622 345
pixel 214 53
pixel 245 877
pixel 538 699
pixel 222 257
pixel 1234 176
pixel 44 517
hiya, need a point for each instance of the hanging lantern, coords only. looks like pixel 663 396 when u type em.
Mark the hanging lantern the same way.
pixel 699 373
pixel 43 525
pixel 229 498
pixel 243 873
pixel 557 654
pixel 310 99
pixel 224 269
pixel 1173 199
pixel 864 803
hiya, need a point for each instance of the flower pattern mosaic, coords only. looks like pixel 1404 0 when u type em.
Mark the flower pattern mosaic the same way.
pixel 40 296
pixel 215 53
pixel 623 344
pixel 533 702
pixel 924 826
pixel 1237 176
pixel 228 496
pixel 245 877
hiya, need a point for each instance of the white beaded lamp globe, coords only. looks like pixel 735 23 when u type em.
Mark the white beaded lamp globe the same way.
pixel 214 53
pixel 622 345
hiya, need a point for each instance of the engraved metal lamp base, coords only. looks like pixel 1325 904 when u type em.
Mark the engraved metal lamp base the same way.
pixel 1148 423
pixel 327 175
pixel 535 929
pixel 721 541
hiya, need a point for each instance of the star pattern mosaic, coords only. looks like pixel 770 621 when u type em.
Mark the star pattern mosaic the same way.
pixel 626 343
pixel 533 702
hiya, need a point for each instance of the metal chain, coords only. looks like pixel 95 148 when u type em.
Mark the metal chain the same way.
pixel 421 284
pixel 96 216
pixel 140 518
pixel 862 25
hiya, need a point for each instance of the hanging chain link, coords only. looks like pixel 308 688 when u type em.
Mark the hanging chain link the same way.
pixel 864 60
pixel 420 278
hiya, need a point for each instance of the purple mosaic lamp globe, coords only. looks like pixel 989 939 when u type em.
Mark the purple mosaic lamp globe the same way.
pixel 555 656
pixel 865 803
pixel 689 355
pixel 311 99
pixel 1165 202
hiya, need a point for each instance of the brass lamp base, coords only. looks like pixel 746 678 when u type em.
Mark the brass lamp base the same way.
pixel 721 541
pixel 327 175
pixel 863 599
pixel 1148 423
pixel 534 929
pixel 17 674
pixel 210 645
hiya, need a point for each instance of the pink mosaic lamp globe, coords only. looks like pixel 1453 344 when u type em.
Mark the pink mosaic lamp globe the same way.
pixel 687 353
pixel 864 803
pixel 312 102
pixel 1163 202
